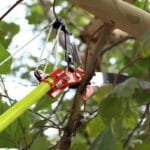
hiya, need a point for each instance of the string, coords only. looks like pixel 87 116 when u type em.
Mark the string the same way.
pixel 48 57
pixel 26 44
pixel 43 50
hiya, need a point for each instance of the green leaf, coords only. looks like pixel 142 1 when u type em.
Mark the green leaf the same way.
pixel 105 141
pixel 141 97
pixel 5 68
pixel 79 146
pixel 41 143
pixel 95 127
pixel 130 117
pixel 36 16
pixel 14 135
pixel 79 143
pixel 44 103
pixel 114 105
pixel 145 145
pixel 3 107
pixel 102 93
pixel 7 31
pixel 111 107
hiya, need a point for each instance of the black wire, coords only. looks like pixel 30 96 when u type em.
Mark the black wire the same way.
pixel 54 12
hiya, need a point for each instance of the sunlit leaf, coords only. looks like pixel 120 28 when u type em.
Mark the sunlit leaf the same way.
pixel 130 118
pixel 36 15
pixel 95 127
pixel 102 92
pixel 7 32
pixel 5 68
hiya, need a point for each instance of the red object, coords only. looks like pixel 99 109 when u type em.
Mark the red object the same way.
pixel 65 79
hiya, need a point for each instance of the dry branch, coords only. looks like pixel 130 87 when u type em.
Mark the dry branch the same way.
pixel 126 16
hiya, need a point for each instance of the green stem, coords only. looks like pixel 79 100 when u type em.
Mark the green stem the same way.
pixel 21 106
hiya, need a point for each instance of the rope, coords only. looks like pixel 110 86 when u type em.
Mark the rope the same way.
pixel 42 52
pixel 55 43
pixel 27 43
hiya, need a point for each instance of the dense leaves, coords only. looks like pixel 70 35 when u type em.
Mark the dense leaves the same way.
pixel 114 118
pixel 105 141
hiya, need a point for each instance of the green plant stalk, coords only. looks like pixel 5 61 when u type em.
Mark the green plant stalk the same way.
pixel 21 106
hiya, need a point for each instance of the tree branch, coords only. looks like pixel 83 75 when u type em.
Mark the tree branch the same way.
pixel 115 44
pixel 93 55
pixel 127 17
pixel 74 121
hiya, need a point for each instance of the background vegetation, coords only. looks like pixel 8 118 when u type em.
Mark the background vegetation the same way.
pixel 116 117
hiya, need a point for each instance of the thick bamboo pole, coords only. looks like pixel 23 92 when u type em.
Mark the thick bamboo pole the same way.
pixel 126 17
pixel 21 106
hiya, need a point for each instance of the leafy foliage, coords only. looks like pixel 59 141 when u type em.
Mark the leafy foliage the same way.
pixel 5 68
pixel 106 141
pixel 18 132
pixel 111 119
pixel 7 31
pixel 36 15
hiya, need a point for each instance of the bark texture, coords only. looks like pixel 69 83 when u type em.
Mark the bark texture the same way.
pixel 126 17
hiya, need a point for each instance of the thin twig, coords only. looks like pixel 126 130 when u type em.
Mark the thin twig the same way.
pixel 10 9
pixel 2 95
pixel 6 95
pixel 136 127
pixel 45 118
pixel 116 44
pixel 23 46
pixel 59 103
pixel 125 67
